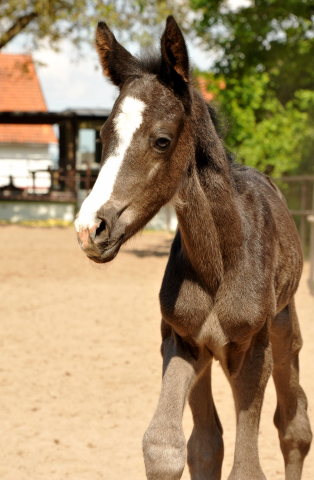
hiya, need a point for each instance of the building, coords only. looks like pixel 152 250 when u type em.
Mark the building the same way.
pixel 23 148
pixel 25 135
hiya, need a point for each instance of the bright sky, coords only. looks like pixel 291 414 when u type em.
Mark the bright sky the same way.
pixel 69 84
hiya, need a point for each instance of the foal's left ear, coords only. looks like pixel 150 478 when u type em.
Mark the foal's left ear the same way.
pixel 175 60
pixel 173 49
pixel 118 64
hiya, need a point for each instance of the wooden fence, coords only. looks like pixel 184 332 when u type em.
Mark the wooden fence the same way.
pixel 311 279
pixel 299 193
pixel 64 186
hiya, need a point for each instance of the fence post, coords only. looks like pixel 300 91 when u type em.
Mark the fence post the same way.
pixel 34 181
pixel 311 219
pixel 311 279
pixel 87 179
pixel 77 182
pixel 50 171
pixel 303 218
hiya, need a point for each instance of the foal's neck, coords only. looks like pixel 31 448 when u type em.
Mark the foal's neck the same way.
pixel 209 220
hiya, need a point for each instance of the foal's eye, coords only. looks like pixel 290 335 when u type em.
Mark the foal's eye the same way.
pixel 162 143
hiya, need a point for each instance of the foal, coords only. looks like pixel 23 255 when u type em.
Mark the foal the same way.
pixel 234 267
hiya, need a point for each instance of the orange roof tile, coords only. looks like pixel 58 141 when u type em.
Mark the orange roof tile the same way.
pixel 208 96
pixel 20 91
pixel 27 134
pixel 203 87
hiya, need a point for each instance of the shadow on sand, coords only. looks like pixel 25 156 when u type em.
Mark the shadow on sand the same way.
pixel 157 250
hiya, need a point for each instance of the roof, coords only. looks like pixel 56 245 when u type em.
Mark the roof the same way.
pixel 78 115
pixel 204 83
pixel 88 112
pixel 207 96
pixel 21 91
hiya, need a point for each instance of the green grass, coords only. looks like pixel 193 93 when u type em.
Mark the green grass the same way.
pixel 51 222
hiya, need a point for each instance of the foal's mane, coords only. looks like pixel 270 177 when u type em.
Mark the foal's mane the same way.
pixel 149 62
pixel 222 124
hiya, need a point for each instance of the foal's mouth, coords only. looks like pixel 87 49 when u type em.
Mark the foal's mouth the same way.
pixel 102 241
pixel 109 252
pixel 102 252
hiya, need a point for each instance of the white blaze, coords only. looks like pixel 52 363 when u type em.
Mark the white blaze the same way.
pixel 126 123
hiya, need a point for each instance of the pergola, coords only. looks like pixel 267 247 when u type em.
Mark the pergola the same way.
pixel 69 123
pixel 65 180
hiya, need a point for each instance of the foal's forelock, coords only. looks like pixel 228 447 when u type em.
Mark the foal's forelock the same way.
pixel 127 121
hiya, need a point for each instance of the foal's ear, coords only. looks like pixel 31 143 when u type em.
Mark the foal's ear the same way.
pixel 175 60
pixel 117 63
pixel 173 50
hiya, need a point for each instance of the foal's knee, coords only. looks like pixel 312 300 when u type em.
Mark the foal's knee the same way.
pixel 164 456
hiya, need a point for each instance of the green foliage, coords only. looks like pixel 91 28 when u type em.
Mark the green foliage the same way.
pixel 51 222
pixel 264 134
pixel 273 36
pixel 265 52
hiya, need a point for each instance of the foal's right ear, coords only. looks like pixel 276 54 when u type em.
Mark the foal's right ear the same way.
pixel 117 63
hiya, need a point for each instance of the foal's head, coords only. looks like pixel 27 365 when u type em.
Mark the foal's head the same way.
pixel 146 142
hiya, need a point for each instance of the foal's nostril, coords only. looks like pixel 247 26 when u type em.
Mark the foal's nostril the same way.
pixel 100 229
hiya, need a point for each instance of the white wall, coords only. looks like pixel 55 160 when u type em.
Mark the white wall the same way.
pixel 20 159
pixel 18 211
pixel 15 211
pixel 165 219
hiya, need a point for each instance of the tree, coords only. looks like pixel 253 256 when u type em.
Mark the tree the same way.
pixel 274 138
pixel 265 52
pixel 76 19
pixel 273 36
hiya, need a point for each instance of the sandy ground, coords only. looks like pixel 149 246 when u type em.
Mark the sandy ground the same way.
pixel 80 363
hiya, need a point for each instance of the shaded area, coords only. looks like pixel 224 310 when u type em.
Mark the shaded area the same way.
pixel 161 249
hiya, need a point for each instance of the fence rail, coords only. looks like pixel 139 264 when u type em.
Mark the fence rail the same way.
pixel 305 200
pixel 65 186
pixel 311 279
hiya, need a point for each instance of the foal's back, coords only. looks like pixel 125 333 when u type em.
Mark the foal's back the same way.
pixel 270 235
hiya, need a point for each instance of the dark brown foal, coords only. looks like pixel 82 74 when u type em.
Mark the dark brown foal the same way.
pixel 234 267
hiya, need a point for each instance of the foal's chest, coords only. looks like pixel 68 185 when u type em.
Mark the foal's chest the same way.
pixel 185 305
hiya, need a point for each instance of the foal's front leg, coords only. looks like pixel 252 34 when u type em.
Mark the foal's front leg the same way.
pixel 164 445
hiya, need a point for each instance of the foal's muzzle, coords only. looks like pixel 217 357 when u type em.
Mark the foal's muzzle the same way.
pixel 102 240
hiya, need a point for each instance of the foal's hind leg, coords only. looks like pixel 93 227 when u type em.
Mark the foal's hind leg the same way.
pixel 248 386
pixel 205 446
pixel 291 417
